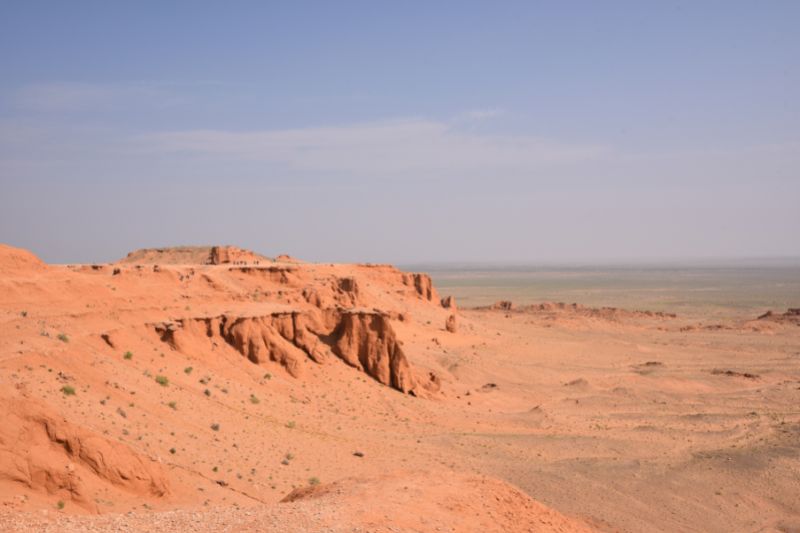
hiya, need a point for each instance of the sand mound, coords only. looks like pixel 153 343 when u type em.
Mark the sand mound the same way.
pixel 43 453
pixel 18 259
pixel 194 255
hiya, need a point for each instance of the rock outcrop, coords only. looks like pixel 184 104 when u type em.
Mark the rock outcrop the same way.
pixel 422 284
pixel 367 342
pixel 221 255
pixel 363 339
pixel 791 316
pixel 502 305
pixel 195 255
pixel 451 325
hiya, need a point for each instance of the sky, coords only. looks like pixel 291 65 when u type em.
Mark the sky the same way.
pixel 531 131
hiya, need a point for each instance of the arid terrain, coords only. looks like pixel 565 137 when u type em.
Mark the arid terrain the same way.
pixel 214 389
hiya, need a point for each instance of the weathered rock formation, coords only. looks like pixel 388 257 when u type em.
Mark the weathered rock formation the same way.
pixel 791 316
pixel 194 255
pixel 422 284
pixel 450 325
pixel 221 255
pixel 367 342
pixel 363 339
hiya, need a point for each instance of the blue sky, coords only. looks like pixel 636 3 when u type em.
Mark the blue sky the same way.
pixel 403 132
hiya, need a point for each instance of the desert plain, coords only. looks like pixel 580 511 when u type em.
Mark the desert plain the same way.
pixel 214 389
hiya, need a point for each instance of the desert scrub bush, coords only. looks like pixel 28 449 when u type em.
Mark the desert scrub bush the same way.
pixel 68 390
pixel 162 380
pixel 128 355
pixel 63 337
pixel 290 424
pixel 24 314
pixel 60 504
pixel 172 451
pixel 215 426
pixel 254 399
pixel 207 392
pixel 313 481
pixel 188 370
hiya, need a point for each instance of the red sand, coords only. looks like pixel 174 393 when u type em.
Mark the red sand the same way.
pixel 289 396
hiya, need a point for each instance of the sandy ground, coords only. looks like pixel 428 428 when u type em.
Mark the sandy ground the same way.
pixel 542 419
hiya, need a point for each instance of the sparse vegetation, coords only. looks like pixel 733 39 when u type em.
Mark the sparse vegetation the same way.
pixel 162 380
pixel 63 337
pixel 68 390
pixel 173 406
pixel 128 355
pixel 60 504
pixel 172 451
pixel 215 426
pixel 267 376
pixel 207 392
pixel 188 370
pixel 254 399
pixel 24 314
pixel 290 424
pixel 313 481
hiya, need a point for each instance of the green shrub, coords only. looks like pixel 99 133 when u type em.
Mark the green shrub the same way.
pixel 63 337
pixel 68 390
pixel 162 380
pixel 188 370
pixel 128 355
pixel 313 481
pixel 173 406
pixel 254 399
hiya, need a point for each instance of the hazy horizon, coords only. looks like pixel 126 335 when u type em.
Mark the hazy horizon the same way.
pixel 546 133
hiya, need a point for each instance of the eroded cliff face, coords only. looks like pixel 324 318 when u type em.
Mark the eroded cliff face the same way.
pixel 422 285
pixel 367 342
pixel 63 459
pixel 363 339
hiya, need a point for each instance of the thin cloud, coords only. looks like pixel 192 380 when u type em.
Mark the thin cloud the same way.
pixel 482 114
pixel 415 146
